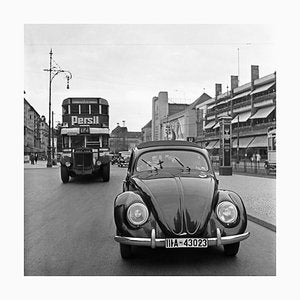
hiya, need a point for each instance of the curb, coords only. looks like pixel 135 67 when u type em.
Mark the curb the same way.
pixel 262 223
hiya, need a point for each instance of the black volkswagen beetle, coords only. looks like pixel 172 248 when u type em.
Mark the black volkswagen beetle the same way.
pixel 171 199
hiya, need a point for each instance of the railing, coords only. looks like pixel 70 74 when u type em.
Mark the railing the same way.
pixel 246 166
pixel 241 104
pixel 265 97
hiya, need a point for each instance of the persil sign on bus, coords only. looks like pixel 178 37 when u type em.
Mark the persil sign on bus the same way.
pixel 86 120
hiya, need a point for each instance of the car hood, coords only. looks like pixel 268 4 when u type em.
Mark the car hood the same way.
pixel 182 205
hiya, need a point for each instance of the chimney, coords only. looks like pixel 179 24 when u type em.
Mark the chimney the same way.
pixel 234 82
pixel 218 89
pixel 118 124
pixel 123 123
pixel 254 73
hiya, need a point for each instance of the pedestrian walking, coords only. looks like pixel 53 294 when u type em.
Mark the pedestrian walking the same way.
pixel 32 158
pixel 36 158
pixel 258 157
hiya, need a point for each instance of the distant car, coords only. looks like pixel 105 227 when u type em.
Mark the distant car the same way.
pixel 171 199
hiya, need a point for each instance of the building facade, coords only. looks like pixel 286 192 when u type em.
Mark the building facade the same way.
pixel 32 142
pixel 123 140
pixel 147 132
pixel 252 108
pixel 36 131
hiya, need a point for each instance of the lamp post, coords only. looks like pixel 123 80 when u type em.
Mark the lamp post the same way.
pixel 238 140
pixel 53 71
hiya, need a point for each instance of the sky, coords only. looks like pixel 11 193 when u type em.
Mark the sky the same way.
pixel 130 64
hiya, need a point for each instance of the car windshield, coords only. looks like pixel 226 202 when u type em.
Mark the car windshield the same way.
pixel 183 159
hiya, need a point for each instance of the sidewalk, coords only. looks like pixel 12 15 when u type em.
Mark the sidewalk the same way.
pixel 41 164
pixel 258 194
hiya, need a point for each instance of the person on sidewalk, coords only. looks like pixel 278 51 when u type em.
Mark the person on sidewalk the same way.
pixel 36 158
pixel 32 158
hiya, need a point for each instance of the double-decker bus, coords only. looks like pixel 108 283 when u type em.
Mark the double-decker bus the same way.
pixel 85 136
pixel 270 164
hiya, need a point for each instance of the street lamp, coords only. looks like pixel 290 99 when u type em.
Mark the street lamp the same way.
pixel 53 71
pixel 238 140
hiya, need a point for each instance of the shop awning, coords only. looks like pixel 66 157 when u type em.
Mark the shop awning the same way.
pixel 209 125
pixel 211 106
pixel 263 112
pixel 211 145
pixel 243 142
pixel 217 125
pixel 241 95
pixel 217 145
pixel 242 117
pixel 263 88
pixel 259 142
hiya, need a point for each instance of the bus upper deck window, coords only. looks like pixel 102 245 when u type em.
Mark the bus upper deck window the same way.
pixel 104 109
pixel 75 108
pixel 95 108
pixel 65 109
pixel 84 108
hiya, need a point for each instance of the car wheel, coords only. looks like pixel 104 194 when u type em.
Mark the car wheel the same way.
pixel 64 174
pixel 106 172
pixel 231 249
pixel 126 251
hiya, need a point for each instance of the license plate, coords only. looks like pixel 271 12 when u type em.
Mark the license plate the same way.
pixel 186 243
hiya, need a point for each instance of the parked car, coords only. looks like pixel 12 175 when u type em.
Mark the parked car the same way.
pixel 171 199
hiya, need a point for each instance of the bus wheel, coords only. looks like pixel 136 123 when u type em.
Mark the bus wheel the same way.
pixel 106 172
pixel 64 174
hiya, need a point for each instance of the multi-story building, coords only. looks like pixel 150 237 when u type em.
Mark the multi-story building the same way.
pixel 162 109
pixel 252 108
pixel 44 132
pixel 32 141
pixel 182 125
pixel 147 132
pixel 123 140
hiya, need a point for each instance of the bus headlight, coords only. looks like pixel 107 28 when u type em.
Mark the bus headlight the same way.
pixel 227 212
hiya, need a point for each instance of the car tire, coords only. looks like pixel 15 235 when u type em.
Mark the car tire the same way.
pixel 106 172
pixel 231 249
pixel 126 251
pixel 64 174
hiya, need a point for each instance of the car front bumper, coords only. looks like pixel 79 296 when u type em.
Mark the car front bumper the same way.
pixel 154 242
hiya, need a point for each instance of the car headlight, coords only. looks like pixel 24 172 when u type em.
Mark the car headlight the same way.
pixel 68 164
pixel 227 212
pixel 137 214
pixel 98 163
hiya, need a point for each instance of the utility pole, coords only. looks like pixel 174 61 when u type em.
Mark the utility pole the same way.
pixel 49 162
pixel 53 71
pixel 238 66
pixel 53 148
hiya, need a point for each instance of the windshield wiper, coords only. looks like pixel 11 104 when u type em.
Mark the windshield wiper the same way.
pixel 149 164
pixel 179 161
pixel 187 168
